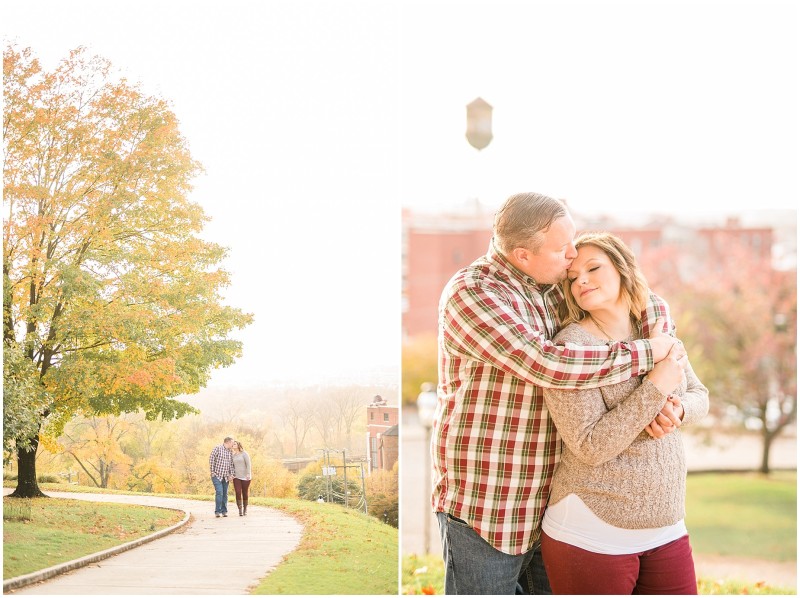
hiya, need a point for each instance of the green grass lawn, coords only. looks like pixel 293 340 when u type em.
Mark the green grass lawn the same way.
pixel 342 551
pixel 60 530
pixel 745 515
pixel 741 515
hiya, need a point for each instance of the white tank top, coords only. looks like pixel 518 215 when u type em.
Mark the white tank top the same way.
pixel 572 522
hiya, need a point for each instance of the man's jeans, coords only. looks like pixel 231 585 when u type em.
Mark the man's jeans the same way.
pixel 220 496
pixel 473 566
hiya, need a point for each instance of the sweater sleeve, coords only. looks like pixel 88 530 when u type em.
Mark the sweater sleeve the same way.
pixel 596 434
pixel 695 399
pixel 247 463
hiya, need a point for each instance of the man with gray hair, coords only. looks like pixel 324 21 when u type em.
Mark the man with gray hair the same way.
pixel 494 445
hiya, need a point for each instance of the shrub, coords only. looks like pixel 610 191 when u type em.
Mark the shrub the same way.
pixel 311 487
pixel 46 478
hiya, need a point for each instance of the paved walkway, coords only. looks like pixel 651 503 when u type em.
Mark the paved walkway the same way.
pixel 226 555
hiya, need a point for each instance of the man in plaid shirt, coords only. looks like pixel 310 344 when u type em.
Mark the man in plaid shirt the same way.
pixel 221 463
pixel 494 446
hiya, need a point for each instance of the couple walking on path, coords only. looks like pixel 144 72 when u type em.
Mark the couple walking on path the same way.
pixel 229 461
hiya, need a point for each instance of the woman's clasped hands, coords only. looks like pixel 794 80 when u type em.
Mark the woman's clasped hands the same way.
pixel 667 375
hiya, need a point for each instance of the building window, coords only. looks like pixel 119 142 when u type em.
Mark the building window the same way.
pixel 372 416
pixel 386 417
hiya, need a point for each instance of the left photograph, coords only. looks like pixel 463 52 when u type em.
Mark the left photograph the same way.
pixel 201 369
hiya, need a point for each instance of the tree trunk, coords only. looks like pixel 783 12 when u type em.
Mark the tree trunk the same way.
pixel 105 473
pixel 768 438
pixel 27 486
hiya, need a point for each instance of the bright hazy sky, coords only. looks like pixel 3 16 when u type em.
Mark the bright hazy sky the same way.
pixel 670 106
pixel 292 112
pixel 317 121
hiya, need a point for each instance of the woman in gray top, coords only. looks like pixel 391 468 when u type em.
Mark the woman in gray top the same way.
pixel 242 474
pixel 614 523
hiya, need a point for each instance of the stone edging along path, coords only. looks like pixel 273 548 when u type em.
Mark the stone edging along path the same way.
pixel 43 574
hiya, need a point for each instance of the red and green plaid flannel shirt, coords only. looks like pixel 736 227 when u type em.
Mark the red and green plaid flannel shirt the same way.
pixel 494 446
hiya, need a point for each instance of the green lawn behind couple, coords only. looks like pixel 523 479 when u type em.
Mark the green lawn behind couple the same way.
pixel 742 517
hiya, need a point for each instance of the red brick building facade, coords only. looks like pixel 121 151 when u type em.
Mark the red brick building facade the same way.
pixel 382 437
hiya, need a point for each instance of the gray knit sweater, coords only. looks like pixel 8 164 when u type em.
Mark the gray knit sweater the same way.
pixel 626 477
pixel 241 465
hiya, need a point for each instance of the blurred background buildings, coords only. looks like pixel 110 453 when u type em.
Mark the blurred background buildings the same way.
pixel 435 246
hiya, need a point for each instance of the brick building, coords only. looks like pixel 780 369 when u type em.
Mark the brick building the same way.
pixel 382 437
pixel 434 248
pixel 389 448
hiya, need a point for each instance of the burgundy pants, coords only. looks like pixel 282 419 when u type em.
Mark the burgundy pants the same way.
pixel 242 488
pixel 668 569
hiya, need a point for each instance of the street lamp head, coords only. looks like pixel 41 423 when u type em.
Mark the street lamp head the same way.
pixel 479 123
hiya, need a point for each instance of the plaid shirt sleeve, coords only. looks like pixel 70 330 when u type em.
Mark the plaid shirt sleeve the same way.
pixel 656 308
pixel 481 323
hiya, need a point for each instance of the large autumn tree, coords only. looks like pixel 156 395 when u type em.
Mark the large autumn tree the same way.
pixel 112 301
pixel 738 318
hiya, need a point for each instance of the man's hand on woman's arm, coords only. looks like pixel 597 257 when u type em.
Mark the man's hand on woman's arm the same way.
pixel 661 343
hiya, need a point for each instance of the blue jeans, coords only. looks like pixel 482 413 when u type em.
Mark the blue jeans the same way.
pixel 473 566
pixel 220 495
pixel 534 578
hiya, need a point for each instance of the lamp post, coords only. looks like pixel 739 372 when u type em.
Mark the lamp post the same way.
pixel 326 471
pixel 344 466
pixel 426 406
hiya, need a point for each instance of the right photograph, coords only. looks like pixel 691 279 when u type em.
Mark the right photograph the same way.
pixel 599 310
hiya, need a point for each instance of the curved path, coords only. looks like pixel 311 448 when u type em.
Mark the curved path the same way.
pixel 226 555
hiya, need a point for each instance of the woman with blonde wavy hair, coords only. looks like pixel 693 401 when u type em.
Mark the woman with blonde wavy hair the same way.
pixel 615 520
pixel 633 286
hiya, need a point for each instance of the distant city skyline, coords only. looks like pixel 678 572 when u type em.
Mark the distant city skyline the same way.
pixel 783 220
